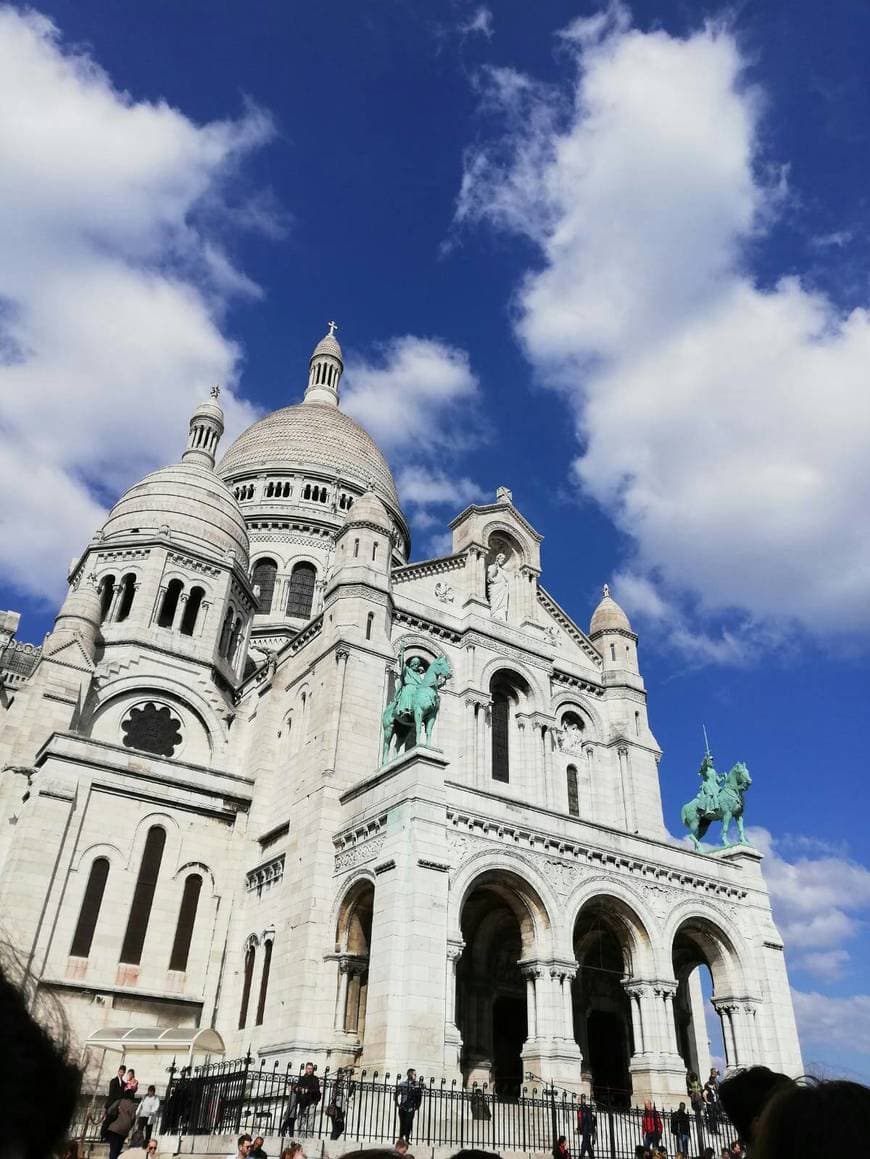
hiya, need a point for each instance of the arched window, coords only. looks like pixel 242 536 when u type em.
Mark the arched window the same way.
pixel 265 571
pixel 250 959
pixel 90 911
pixel 370 619
pixel 143 896
pixel 573 792
pixel 264 982
pixel 128 590
pixel 235 636
pixel 306 491
pixel 374 551
pixel 106 591
pixel 223 646
pixel 300 597
pixel 191 610
pixel 612 651
pixel 355 548
pixel 170 603
pixel 186 919
pixel 501 710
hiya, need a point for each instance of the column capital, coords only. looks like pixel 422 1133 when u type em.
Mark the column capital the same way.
pixel 531 969
pixel 353 964
pixel 342 653
pixel 454 951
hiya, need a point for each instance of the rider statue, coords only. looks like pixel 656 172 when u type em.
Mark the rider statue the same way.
pixel 410 677
pixel 711 781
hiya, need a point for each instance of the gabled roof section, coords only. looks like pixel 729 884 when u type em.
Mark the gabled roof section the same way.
pixel 497 509
pixel 568 626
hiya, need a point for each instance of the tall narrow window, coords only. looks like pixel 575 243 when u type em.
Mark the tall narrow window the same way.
pixel 143 897
pixel 573 792
pixel 186 918
pixel 265 571
pixel 235 637
pixel 226 631
pixel 501 707
pixel 374 551
pixel 106 590
pixel 128 590
pixel 264 982
pixel 170 603
pixel 370 619
pixel 90 911
pixel 250 958
pixel 300 597
pixel 612 651
pixel 191 610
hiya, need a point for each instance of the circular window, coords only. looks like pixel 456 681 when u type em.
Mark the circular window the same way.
pixel 152 728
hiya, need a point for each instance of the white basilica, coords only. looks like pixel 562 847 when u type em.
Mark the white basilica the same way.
pixel 197 829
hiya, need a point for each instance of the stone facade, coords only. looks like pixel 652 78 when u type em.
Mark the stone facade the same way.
pixel 196 827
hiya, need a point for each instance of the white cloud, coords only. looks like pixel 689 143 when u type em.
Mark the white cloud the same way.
pixel 418 399
pixel 825 1021
pixel 723 425
pixel 819 902
pixel 414 395
pixel 112 284
pixel 479 23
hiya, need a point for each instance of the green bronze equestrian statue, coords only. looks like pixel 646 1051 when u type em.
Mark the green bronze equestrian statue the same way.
pixel 410 716
pixel 720 798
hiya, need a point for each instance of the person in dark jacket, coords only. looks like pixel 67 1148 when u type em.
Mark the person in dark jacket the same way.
pixel 307 1098
pixel 409 1095
pixel 745 1095
pixel 680 1128
pixel 121 1117
pixel 586 1127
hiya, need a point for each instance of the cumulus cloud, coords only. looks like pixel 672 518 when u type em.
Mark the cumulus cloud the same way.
pixel 723 424
pixel 418 398
pixel 415 393
pixel 825 1021
pixel 112 285
pixel 821 900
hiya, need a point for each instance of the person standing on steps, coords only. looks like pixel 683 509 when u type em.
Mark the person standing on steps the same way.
pixel 409 1095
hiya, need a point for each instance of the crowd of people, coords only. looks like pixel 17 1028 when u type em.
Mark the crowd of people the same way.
pixel 771 1115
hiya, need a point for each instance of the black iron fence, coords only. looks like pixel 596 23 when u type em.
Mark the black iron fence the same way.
pixel 237 1096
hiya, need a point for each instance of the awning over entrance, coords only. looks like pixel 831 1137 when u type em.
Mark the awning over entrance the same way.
pixel 170 1039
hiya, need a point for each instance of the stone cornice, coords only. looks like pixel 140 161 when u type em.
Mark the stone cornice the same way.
pixel 580 852
pixel 503 509
pixel 427 567
pixel 568 626
pixel 569 680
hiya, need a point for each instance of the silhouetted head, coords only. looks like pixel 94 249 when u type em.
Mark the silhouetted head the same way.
pixel 814 1118
pixel 745 1095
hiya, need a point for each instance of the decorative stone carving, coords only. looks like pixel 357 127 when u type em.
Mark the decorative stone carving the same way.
pixel 444 593
pixel 358 854
pixel 152 729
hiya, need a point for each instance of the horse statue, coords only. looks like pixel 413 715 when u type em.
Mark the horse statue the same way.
pixel 409 717
pixel 720 799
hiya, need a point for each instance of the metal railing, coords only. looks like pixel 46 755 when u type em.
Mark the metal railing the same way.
pixel 236 1096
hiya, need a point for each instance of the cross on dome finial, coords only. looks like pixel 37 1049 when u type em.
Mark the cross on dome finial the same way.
pixel 215 392
pixel 333 326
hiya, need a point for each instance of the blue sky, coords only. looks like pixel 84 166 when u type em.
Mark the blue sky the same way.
pixel 612 257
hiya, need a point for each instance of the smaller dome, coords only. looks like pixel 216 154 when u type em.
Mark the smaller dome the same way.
pixel 608 616
pixel 369 509
pixel 209 409
pixel 188 501
pixel 328 344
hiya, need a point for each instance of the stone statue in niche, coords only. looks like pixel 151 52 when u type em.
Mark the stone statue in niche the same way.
pixel 570 736
pixel 498 588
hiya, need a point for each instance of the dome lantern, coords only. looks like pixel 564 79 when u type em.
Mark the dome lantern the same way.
pixel 206 428
pixel 325 369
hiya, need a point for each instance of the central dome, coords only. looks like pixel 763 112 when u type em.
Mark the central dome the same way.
pixel 315 437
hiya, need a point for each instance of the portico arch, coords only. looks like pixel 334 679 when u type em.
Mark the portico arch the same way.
pixel 611 945
pixel 708 968
pixel 353 938
pixel 505 928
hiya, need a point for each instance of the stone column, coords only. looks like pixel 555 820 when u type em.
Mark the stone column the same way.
pixel 723 1009
pixel 634 993
pixel 179 611
pixel 531 972
pixel 116 597
pixel 665 992
pixel 199 626
pixel 482 766
pixel 341 1003
pixel 471 739
pixel 452 1034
